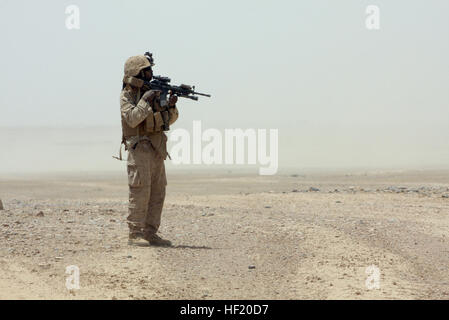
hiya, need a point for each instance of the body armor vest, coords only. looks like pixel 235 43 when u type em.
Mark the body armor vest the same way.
pixel 143 131
pixel 146 127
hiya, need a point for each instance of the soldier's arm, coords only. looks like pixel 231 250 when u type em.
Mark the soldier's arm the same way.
pixel 132 113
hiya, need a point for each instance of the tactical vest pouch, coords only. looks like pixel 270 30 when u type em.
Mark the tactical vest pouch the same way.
pixel 149 123
pixel 158 121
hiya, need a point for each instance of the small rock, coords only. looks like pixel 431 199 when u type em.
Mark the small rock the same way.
pixel 446 196
pixel 40 214
pixel 251 267
pixel 1 205
pixel 338 201
pixel 295 190
pixel 58 258
pixel 313 189
pixel 267 207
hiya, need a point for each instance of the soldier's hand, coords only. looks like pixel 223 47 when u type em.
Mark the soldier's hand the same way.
pixel 172 100
pixel 150 95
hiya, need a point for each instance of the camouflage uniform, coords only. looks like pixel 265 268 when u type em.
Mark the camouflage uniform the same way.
pixel 147 149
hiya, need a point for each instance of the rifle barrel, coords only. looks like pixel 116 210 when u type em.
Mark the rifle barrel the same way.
pixel 202 94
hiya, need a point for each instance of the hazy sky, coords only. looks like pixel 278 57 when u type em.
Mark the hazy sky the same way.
pixel 340 94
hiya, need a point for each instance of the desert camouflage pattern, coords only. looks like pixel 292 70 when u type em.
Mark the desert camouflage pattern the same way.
pixel 147 149
pixel 147 182
pixel 135 64
pixel 139 120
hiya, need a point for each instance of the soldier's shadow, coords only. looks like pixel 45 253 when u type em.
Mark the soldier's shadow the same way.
pixel 183 246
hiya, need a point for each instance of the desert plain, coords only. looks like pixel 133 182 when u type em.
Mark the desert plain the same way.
pixel 235 236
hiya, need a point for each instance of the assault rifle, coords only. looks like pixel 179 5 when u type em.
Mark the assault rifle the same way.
pixel 163 85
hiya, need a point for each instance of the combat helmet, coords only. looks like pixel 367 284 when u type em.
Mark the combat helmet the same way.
pixel 135 64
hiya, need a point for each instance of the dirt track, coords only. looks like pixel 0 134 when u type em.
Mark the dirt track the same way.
pixel 301 244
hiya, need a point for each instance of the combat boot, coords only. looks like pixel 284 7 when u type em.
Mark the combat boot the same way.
pixel 155 240
pixel 137 239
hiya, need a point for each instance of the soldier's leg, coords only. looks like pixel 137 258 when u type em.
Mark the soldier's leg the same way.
pixel 157 195
pixel 139 182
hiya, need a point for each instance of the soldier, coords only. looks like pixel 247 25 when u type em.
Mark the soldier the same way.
pixel 145 142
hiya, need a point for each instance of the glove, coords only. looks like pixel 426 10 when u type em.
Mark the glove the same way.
pixel 172 100
pixel 150 95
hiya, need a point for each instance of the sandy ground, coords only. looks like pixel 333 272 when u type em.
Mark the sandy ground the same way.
pixel 235 237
